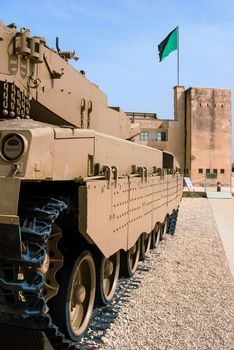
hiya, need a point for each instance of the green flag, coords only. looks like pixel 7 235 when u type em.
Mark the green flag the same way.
pixel 169 44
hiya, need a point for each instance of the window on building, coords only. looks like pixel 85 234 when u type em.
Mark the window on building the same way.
pixel 161 136
pixel 207 171
pixel 144 136
pixel 200 171
pixel 222 171
pixel 215 171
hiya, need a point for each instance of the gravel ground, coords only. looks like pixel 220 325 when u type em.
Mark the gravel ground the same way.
pixel 186 300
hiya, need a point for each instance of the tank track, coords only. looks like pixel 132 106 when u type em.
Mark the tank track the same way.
pixel 22 303
pixel 172 222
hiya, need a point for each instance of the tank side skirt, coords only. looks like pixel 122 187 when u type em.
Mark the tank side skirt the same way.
pixel 113 216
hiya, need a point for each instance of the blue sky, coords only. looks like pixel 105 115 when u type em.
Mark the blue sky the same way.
pixel 117 40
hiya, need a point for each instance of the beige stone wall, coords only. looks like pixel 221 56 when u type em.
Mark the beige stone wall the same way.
pixel 177 127
pixel 209 139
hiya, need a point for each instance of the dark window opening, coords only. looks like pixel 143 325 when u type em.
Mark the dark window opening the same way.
pixel 222 171
pixel 161 136
pixel 200 171
pixel 168 161
pixel 144 136
pixel 215 171
pixel 207 171
pixel 37 47
pixel 28 41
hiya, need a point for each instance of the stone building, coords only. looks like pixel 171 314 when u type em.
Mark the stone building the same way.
pixel 199 135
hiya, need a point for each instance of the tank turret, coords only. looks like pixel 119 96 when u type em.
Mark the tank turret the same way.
pixel 45 87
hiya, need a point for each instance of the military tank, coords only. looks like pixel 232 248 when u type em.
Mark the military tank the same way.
pixel 80 202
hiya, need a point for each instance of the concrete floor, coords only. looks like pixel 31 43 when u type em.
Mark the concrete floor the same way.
pixel 223 210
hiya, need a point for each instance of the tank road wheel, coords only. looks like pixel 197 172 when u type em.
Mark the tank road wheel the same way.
pixel 82 293
pixel 107 277
pixel 163 229
pixel 155 236
pixel 145 245
pixel 130 259
pixel 73 305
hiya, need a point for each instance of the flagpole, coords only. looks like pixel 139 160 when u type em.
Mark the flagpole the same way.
pixel 178 59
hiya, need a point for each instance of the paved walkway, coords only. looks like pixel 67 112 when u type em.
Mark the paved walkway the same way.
pixel 223 210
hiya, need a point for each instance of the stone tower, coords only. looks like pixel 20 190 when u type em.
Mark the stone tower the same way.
pixel 208 135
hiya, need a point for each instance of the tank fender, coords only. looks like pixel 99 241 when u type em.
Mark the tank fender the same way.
pixel 101 217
